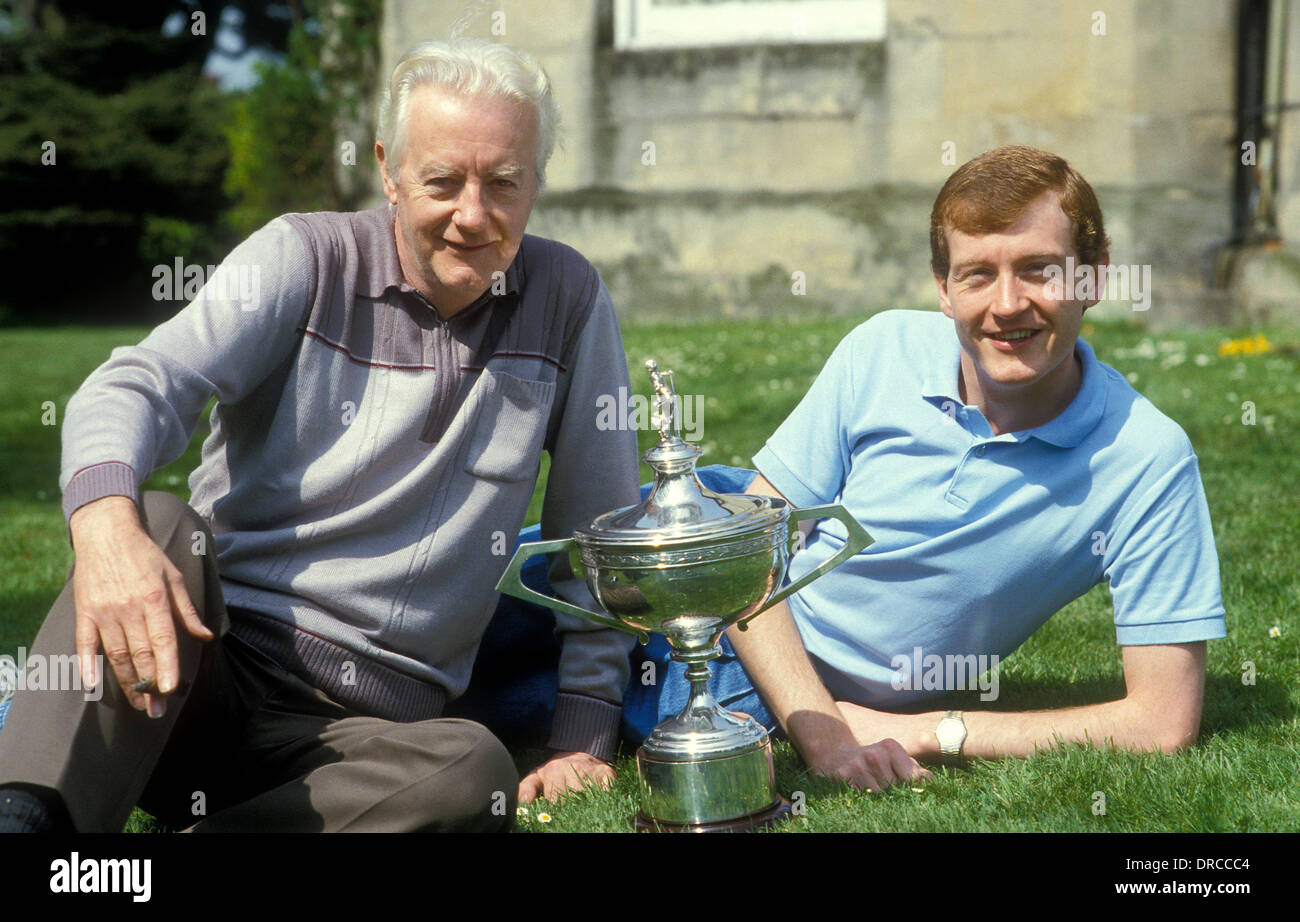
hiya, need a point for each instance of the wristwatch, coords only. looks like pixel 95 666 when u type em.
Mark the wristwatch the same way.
pixel 952 734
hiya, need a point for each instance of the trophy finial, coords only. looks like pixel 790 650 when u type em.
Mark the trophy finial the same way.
pixel 665 401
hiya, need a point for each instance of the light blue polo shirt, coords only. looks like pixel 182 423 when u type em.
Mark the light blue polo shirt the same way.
pixel 979 539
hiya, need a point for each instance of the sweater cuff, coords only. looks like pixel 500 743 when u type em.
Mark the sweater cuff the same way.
pixel 585 724
pixel 111 478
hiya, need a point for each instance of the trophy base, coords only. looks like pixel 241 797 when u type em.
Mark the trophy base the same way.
pixel 779 810
pixel 708 782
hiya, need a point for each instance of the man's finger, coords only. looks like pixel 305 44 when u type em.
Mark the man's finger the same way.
pixel 143 661
pixel 185 610
pixel 902 766
pixel 87 651
pixel 162 638
pixel 861 777
pixel 119 660
pixel 529 788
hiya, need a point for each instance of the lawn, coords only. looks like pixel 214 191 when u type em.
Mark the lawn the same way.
pixel 1239 406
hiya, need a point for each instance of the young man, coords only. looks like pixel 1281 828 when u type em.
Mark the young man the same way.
pixel 1003 472
pixel 383 399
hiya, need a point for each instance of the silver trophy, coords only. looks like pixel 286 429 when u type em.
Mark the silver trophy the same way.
pixel 688 563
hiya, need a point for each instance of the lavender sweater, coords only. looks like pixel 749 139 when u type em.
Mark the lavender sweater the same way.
pixel 369 464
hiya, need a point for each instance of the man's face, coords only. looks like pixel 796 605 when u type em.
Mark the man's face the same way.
pixel 464 190
pixel 1017 331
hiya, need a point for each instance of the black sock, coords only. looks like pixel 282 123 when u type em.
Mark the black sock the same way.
pixel 22 810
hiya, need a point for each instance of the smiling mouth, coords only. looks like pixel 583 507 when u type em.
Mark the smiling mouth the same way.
pixel 1012 336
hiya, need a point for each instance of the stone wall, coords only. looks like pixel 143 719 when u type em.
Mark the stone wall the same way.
pixel 725 180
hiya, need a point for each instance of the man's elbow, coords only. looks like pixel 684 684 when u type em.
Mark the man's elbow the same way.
pixel 1169 735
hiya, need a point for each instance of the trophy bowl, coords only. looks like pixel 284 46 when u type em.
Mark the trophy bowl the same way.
pixel 688 563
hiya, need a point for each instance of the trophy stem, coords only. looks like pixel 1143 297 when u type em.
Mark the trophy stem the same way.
pixel 701 701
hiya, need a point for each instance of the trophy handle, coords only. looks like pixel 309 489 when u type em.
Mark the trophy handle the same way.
pixel 857 540
pixel 512 583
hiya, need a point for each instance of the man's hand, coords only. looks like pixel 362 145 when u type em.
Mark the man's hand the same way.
pixel 871 768
pixel 914 732
pixel 565 771
pixel 126 594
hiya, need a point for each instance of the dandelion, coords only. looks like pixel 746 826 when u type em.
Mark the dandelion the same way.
pixel 1247 345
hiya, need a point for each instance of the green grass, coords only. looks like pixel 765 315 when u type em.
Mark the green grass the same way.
pixel 1243 774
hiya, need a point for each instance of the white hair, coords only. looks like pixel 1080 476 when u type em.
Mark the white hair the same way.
pixel 468 67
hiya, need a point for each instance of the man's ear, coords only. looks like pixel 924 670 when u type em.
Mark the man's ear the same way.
pixel 1100 270
pixel 941 282
pixel 390 187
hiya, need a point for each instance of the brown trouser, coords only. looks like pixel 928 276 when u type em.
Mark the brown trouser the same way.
pixel 248 747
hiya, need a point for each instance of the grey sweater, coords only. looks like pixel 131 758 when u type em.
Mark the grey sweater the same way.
pixel 370 464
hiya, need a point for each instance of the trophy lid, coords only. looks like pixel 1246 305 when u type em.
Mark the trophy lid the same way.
pixel 679 509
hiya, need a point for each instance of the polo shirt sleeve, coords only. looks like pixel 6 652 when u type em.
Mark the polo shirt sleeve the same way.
pixel 1164 576
pixel 807 458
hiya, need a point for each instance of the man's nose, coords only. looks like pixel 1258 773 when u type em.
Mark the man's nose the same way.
pixel 1010 297
pixel 471 211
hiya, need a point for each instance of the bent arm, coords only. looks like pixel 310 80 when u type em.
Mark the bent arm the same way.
pixel 593 470
pixel 773 654
pixel 1160 711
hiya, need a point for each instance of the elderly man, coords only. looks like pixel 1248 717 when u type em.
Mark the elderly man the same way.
pixel 1003 471
pixel 382 404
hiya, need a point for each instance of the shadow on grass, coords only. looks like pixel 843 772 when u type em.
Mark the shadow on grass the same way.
pixel 1228 704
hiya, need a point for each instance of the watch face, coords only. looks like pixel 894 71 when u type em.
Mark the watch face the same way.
pixel 951 733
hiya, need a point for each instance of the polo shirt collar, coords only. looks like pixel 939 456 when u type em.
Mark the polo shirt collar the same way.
pixel 941 380
pixel 941 377
pixel 381 269
pixel 1086 409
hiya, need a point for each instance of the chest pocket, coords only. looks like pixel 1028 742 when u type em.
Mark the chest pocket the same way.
pixel 510 426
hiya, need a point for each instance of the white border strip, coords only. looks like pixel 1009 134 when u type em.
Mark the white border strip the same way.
pixel 643 25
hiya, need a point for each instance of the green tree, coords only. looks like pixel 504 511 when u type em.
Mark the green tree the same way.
pixel 110 160
pixel 287 134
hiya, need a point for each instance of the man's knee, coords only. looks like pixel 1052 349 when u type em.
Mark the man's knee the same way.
pixel 172 522
pixel 187 541
pixel 472 786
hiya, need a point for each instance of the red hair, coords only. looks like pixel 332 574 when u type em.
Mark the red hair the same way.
pixel 988 194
